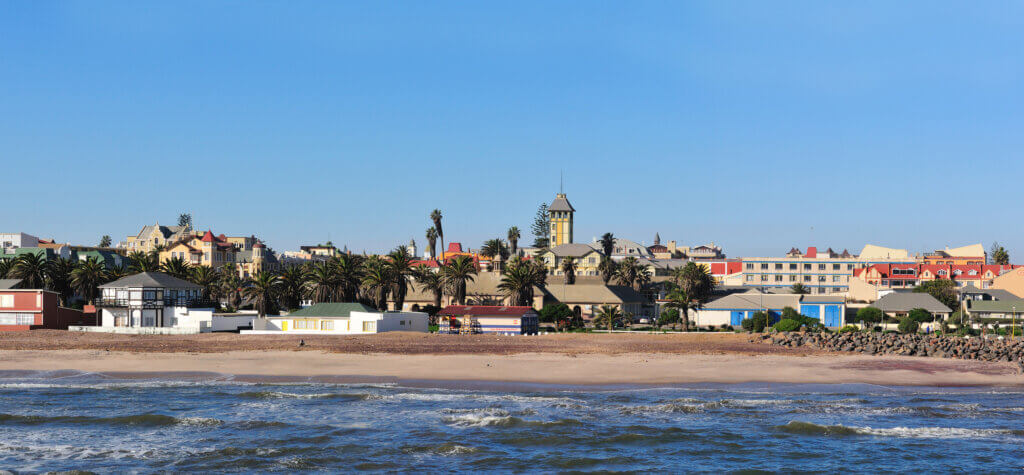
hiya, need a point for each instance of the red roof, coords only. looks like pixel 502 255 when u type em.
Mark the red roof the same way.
pixel 454 247
pixel 812 252
pixel 485 310
pixel 208 237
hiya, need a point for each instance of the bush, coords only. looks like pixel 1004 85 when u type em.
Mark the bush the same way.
pixel 787 325
pixel 848 329
pixel 791 313
pixel 725 328
pixel 908 325
pixel 920 315
pixel 756 323
pixel 548 329
pixel 554 312
pixel 433 328
pixel 869 315
pixel 668 316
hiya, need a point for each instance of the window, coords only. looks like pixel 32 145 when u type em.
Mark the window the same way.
pixel 401 323
pixel 778 278
pixel 764 266
pixel 807 278
pixel 17 319
pixel 821 266
pixel 821 278
pixel 778 266
pixel 7 301
pixel 836 266
pixel 837 278
pixel 750 278
pixel 792 278
pixel 327 324
pixel 849 266
pixel 837 289
pixel 149 295
pixel 764 277
pixel 750 266
pixel 807 267
pixel 792 267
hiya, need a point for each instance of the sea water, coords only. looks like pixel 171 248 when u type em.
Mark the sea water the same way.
pixel 73 421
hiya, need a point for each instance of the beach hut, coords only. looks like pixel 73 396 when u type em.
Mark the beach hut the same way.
pixel 488 319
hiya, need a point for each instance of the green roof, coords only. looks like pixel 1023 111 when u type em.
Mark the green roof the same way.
pixel 995 306
pixel 331 309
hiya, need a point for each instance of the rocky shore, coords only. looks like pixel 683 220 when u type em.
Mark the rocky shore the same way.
pixel 981 349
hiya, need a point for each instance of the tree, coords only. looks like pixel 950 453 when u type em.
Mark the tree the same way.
pixel 31 269
pixel 436 217
pixel 143 262
pixel 801 289
pixel 231 285
pixel 6 263
pixel 87 277
pixel 944 290
pixel 432 242
pixel 607 242
pixel 870 315
pixel 920 315
pixel 292 286
pixel 117 272
pixel 908 325
pixel 607 268
pixel 541 227
pixel 206 277
pixel 58 278
pixel 669 316
pixel 569 268
pixel 348 276
pixel 430 281
pixel 495 250
pixel 185 219
pixel 513 239
pixel 377 281
pixel 105 241
pixel 691 287
pixel 757 322
pixel 176 266
pixel 455 274
pixel 520 278
pixel 631 273
pixel 321 282
pixel 610 316
pixel 262 292
pixel 400 263
pixel 998 254
pixel 558 313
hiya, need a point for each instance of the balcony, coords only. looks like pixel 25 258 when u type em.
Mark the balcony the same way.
pixel 190 302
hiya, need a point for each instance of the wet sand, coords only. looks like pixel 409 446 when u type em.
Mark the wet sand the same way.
pixel 545 368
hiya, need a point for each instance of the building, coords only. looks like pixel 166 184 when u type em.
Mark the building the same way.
pixel 705 252
pixel 256 259
pixel 340 319
pixel 734 308
pixel 586 297
pixel 1011 281
pixel 586 257
pixel 561 213
pixel 153 302
pixel 206 249
pixel 9 242
pixel 972 255
pixel 899 304
pixel 31 309
pixel 488 319
pixel 821 272
pixel 623 248
pixel 150 237
pixel 994 311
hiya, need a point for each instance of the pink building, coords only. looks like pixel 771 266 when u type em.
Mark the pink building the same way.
pixel 31 309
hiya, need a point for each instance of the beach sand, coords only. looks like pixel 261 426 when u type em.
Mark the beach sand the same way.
pixel 548 368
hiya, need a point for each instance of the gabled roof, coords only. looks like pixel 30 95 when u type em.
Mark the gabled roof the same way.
pixel 332 309
pixel 561 203
pixel 486 310
pixel 150 279
pixel 907 301
pixel 1000 306
pixel 572 250
pixel 592 293
pixel 7 284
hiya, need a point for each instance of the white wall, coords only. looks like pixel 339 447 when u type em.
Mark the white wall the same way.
pixel 200 319
pixel 231 322
pixel 710 317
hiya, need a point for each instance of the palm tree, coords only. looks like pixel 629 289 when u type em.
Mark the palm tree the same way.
pixel 569 268
pixel 142 262
pixel 400 262
pixel 520 278
pixel 5 266
pixel 629 271
pixel 377 281
pixel 87 277
pixel 348 270
pixel 430 281
pixel 607 244
pixel 513 239
pixel 607 268
pixel 495 250
pixel 31 269
pixel 293 281
pixel 262 291
pixel 455 274
pixel 231 285
pixel 119 271
pixel 321 282
pixel 432 241
pixel 435 216
pixel 692 285
pixel 58 278
pixel 176 266
pixel 610 316
pixel 206 277
pixel 799 288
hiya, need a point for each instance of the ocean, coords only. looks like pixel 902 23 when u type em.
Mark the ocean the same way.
pixel 73 421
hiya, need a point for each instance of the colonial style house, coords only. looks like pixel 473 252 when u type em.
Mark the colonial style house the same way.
pixel 156 235
pixel 586 257
pixel 153 302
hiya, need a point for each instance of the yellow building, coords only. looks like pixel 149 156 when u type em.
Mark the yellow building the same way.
pixel 587 259
pixel 560 213
pixel 156 235
pixel 205 250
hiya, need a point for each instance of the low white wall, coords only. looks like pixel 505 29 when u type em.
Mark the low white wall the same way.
pixel 223 323
pixel 711 317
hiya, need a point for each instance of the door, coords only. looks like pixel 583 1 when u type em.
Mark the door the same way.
pixel 736 318
pixel 833 316
pixel 811 311
pixel 284 325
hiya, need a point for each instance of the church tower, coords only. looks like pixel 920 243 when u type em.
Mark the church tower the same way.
pixel 560 213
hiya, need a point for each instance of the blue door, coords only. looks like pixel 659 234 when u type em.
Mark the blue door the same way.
pixel 833 316
pixel 736 318
pixel 811 311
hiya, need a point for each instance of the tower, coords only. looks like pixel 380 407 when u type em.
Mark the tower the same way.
pixel 561 214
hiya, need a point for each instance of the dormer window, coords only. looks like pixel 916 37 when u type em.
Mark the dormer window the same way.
pixel 958 272
pixel 941 272
pixel 973 272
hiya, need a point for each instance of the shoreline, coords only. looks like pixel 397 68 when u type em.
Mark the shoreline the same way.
pixel 522 369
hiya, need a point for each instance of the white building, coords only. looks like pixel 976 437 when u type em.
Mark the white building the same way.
pixel 340 319
pixel 152 303
pixel 11 241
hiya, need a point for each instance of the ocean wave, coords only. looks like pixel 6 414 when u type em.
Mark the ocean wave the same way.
pixel 446 449
pixel 810 428
pixel 149 420
pixel 287 395
pixel 500 418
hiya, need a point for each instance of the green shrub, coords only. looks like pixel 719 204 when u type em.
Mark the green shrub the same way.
pixel 908 325
pixel 787 325
pixel 920 315
pixel 756 323
pixel 869 315
pixel 848 329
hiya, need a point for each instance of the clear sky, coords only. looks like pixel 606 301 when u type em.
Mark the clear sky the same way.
pixel 756 125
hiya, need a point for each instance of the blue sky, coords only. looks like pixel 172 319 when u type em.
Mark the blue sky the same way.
pixel 757 125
